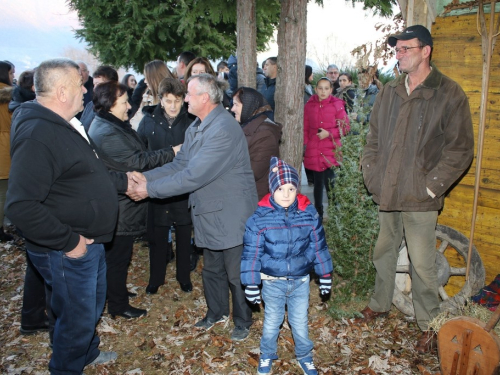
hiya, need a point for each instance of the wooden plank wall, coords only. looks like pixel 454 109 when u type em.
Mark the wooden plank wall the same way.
pixel 457 53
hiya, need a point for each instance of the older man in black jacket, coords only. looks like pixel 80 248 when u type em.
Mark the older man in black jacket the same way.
pixel 62 199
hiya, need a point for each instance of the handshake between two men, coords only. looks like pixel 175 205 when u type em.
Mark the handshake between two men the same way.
pixel 137 182
pixel 136 189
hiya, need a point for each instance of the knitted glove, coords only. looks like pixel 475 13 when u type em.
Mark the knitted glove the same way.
pixel 252 293
pixel 325 284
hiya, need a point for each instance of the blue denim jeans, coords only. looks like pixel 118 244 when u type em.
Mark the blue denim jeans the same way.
pixel 295 294
pixel 78 297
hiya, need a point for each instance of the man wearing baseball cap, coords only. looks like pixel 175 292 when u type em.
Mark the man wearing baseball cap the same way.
pixel 419 144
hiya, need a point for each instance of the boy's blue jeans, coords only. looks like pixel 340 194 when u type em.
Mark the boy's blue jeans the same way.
pixel 78 298
pixel 276 294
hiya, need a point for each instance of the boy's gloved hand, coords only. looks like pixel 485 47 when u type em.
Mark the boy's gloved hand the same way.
pixel 325 284
pixel 252 293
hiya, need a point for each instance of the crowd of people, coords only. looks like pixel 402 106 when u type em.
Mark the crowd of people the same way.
pixel 92 162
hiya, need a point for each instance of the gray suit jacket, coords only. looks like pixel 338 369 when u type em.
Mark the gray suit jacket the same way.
pixel 213 165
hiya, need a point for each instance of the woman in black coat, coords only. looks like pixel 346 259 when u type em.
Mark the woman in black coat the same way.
pixel 24 91
pixel 129 81
pixel 163 125
pixel 308 89
pixel 122 150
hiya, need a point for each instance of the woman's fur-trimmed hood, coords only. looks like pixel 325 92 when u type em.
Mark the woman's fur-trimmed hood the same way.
pixel 5 93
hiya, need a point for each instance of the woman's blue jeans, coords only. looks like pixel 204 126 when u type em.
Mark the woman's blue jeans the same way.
pixel 293 293
pixel 78 298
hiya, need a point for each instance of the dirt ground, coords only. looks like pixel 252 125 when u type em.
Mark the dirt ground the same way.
pixel 165 342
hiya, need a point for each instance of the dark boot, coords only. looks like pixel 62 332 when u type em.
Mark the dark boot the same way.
pixel 194 257
pixel 5 237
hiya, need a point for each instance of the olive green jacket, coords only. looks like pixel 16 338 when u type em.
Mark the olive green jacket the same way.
pixel 416 142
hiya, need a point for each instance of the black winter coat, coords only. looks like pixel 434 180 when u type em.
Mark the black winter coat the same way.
pixel 19 96
pixel 156 133
pixel 87 116
pixel 89 86
pixel 136 98
pixel 58 188
pixel 123 150
pixel 269 90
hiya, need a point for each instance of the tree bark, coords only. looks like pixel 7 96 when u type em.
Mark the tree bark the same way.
pixel 289 96
pixel 247 42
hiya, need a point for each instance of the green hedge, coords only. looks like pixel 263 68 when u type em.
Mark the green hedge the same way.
pixel 352 226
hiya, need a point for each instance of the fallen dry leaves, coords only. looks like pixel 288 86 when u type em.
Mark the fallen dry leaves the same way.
pixel 165 341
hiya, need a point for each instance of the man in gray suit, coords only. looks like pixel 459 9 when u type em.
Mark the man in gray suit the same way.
pixel 213 165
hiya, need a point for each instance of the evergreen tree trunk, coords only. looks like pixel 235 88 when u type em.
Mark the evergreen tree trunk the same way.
pixel 289 97
pixel 247 45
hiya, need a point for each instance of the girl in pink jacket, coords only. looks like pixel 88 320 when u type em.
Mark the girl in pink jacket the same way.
pixel 325 121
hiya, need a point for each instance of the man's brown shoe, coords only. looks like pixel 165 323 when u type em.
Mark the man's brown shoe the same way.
pixel 369 315
pixel 426 342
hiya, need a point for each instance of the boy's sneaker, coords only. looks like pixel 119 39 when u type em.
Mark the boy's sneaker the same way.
pixel 239 333
pixel 207 323
pixel 266 363
pixel 104 358
pixel 307 366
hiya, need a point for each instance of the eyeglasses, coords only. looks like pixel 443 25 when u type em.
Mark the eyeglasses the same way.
pixel 332 72
pixel 405 49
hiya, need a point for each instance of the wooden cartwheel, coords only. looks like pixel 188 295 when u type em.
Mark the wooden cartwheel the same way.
pixel 467 346
pixel 450 244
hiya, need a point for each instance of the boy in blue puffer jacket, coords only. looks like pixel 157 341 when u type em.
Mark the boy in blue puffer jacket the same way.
pixel 283 241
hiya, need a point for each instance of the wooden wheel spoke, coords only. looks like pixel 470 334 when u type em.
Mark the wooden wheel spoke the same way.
pixel 455 271
pixel 442 293
pixel 403 268
pixel 443 246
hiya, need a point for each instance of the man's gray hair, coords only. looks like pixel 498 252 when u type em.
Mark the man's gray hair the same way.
pixel 50 72
pixel 82 62
pixel 207 83
pixel 332 66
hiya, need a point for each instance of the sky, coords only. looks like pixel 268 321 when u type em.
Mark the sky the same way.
pixel 33 31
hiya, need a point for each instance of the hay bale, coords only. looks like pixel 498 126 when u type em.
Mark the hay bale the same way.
pixel 470 309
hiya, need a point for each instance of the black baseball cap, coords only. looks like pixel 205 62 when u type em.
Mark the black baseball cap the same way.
pixel 412 32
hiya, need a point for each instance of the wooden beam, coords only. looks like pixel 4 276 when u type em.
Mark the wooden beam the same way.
pixel 468 4
pixel 403 4
pixel 432 10
pixel 410 13
pixel 423 12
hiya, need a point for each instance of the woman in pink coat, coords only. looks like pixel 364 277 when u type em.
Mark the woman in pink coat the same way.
pixel 325 121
